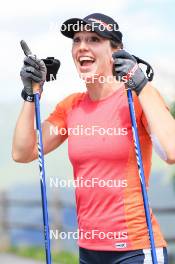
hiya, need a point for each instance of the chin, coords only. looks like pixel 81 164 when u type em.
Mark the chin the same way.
pixel 88 76
pixel 88 73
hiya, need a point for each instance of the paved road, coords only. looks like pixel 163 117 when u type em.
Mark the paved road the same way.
pixel 12 259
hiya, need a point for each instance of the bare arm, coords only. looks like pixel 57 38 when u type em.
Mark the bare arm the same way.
pixel 24 148
pixel 161 123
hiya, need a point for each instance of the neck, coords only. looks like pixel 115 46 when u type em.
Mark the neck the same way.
pixel 100 90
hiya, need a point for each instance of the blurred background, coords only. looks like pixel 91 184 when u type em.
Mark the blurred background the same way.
pixel 148 32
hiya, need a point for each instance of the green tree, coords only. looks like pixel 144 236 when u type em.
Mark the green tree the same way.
pixel 172 109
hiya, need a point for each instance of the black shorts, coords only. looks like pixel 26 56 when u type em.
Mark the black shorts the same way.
pixel 141 256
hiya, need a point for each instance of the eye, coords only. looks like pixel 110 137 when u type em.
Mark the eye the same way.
pixel 94 39
pixel 76 39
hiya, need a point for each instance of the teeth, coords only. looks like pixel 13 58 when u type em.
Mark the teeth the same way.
pixel 86 59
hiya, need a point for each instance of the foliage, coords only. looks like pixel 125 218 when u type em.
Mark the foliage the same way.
pixel 172 109
pixel 38 253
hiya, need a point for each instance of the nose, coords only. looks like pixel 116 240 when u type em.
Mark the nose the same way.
pixel 83 45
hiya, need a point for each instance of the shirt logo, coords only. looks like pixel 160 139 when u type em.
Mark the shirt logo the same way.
pixel 120 245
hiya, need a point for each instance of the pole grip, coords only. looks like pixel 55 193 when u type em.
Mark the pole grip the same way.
pixel 36 87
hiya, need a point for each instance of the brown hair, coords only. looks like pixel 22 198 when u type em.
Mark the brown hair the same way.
pixel 116 44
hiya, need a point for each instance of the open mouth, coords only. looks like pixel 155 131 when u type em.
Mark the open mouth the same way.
pixel 86 61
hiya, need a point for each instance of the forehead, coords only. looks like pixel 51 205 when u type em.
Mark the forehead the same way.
pixel 86 33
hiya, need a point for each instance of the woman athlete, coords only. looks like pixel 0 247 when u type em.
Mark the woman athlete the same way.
pixel 110 211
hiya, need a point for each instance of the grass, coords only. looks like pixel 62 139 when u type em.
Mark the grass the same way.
pixel 38 253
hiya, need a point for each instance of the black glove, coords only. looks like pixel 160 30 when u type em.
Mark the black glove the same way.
pixel 37 71
pixel 52 66
pixel 126 69
pixel 32 70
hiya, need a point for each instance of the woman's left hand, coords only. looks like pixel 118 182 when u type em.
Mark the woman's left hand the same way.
pixel 127 70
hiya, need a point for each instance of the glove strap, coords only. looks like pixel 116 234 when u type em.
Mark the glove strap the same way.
pixel 149 70
pixel 26 97
pixel 52 66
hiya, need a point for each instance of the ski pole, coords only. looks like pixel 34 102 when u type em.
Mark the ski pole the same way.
pixel 36 89
pixel 141 174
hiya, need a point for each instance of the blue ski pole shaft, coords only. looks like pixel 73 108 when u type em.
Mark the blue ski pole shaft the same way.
pixel 42 178
pixel 36 89
pixel 141 174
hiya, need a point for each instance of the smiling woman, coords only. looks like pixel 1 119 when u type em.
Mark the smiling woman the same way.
pixel 94 40
pixel 105 213
pixel 86 51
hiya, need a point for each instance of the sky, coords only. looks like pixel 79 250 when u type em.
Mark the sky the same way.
pixel 147 27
